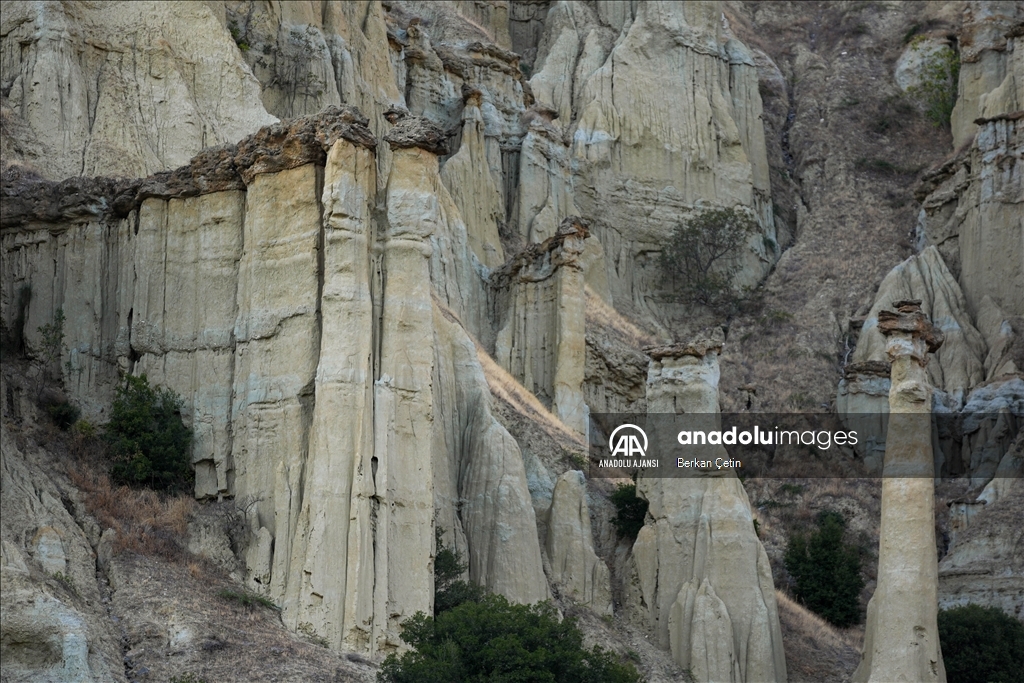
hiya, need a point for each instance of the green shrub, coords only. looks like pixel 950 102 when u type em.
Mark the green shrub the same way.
pixel 51 347
pixel 495 640
pixel 85 429
pixel 981 645
pixel 631 510
pixel 52 334
pixel 827 571
pixel 698 263
pixel 937 90
pixel 64 414
pixel 450 590
pixel 149 442
pixel 247 598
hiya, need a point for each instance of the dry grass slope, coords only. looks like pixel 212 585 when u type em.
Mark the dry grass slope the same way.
pixel 816 651
pixel 146 522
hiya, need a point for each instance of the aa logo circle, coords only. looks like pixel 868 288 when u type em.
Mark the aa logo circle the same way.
pixel 628 441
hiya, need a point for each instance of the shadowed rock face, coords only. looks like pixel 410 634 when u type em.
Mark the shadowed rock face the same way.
pixel 702 573
pixel 901 641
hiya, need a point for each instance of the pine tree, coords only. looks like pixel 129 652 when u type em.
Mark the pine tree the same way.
pixel 827 571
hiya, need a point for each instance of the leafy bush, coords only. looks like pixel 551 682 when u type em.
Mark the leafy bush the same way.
pixel 827 571
pixel 64 414
pixel 631 510
pixel 495 640
pixel 85 429
pixel 246 598
pixel 449 589
pixel 699 260
pixel 937 89
pixel 981 645
pixel 148 440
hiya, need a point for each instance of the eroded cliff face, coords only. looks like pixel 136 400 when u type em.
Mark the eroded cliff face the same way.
pixel 335 295
pixel 54 622
pixel 663 112
pixel 979 186
pixel 121 89
pixel 307 380
pixel 970 232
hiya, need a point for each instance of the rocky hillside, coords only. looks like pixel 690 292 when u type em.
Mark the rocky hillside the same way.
pixel 393 255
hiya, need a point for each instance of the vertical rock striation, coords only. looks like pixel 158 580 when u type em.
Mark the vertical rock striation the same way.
pixel 667 121
pixel 576 568
pixel 122 88
pixel 325 566
pixel 971 204
pixel 479 471
pixel 959 365
pixel 704 583
pixel 317 341
pixel 901 641
pixel 539 312
pixel 990 74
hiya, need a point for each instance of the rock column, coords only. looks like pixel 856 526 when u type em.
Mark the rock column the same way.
pixel 575 566
pixel 703 577
pixel 403 392
pixel 539 304
pixel 902 640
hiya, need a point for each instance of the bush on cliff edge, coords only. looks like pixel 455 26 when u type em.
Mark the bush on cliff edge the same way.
pixel 149 441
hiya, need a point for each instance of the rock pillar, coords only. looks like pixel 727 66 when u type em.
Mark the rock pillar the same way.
pixel 902 640
pixel 403 392
pixel 538 299
pixel 575 566
pixel 704 582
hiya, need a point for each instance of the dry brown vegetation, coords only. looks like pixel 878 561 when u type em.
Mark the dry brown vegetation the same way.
pixel 816 651
pixel 600 314
pixel 146 522
pixel 506 388
pixel 845 151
